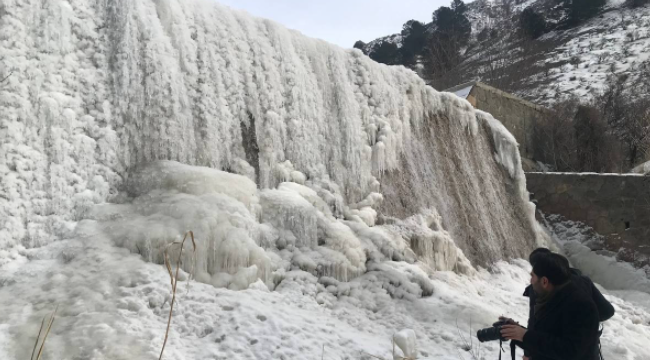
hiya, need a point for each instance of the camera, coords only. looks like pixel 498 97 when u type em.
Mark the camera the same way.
pixel 491 333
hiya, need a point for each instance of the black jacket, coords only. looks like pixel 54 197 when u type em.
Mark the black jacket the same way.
pixel 605 309
pixel 565 329
pixel 584 283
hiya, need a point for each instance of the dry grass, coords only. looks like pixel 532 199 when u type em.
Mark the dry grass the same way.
pixel 38 338
pixel 174 278
pixel 468 345
pixel 6 77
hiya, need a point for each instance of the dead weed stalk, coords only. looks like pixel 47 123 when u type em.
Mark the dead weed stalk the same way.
pixel 174 277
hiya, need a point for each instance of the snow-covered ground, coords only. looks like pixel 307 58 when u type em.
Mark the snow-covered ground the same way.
pixel 113 305
pixel 113 299
pixel 642 168
pixel 581 242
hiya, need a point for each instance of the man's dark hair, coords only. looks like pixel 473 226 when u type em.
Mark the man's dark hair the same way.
pixel 552 266
pixel 565 261
pixel 532 258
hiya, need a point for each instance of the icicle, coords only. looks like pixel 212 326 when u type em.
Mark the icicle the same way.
pixel 131 82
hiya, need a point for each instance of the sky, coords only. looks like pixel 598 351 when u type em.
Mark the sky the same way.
pixel 341 22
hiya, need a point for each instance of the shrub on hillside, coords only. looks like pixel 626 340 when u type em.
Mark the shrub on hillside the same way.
pixel 581 10
pixel 638 3
pixel 386 53
pixel 532 23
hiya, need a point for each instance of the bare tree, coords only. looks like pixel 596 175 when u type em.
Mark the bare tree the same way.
pixel 629 119
pixel 507 7
pixel 633 130
pixel 442 61
pixel 554 137
pixel 595 144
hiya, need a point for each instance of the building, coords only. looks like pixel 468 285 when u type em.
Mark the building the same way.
pixel 517 115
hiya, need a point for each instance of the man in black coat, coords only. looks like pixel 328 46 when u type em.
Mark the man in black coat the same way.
pixel 605 308
pixel 565 322
pixel 584 283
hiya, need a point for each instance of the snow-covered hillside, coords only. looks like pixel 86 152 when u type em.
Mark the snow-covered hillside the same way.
pixel 334 201
pixel 576 62
pixel 615 43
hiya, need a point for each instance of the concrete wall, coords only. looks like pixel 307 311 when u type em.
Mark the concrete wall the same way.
pixel 517 115
pixel 616 206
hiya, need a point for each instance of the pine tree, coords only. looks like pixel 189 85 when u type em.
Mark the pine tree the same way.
pixel 386 53
pixel 413 41
pixel 459 7
pixel 638 3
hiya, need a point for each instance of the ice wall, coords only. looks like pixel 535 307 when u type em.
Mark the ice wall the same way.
pixel 99 87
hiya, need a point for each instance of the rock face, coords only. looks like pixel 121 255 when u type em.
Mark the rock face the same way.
pixel 616 206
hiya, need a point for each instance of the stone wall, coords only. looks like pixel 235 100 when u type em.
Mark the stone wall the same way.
pixel 517 115
pixel 616 206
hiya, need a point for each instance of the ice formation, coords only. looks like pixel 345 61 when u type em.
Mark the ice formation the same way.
pixel 407 342
pixel 329 138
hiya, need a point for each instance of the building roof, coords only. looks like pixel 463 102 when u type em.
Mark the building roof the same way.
pixel 463 91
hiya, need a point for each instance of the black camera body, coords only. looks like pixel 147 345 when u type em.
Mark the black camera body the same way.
pixel 491 333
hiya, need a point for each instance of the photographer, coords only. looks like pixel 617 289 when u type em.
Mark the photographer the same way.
pixel 564 325
pixel 584 283
pixel 605 308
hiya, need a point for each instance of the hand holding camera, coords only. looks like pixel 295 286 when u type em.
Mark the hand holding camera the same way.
pixel 503 330
pixel 513 332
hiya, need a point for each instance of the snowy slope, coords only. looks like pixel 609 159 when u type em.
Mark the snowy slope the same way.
pixel 615 43
pixel 576 62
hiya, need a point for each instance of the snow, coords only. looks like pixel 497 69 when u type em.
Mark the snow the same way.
pixel 614 3
pixel 464 92
pixel 577 239
pixel 643 168
pixel 334 201
pixel 524 4
pixel 373 45
pixel 100 88
pixel 588 174
pixel 614 43
pixel 407 342
pixel 123 316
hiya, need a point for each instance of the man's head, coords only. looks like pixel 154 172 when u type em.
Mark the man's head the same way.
pixel 536 254
pixel 550 270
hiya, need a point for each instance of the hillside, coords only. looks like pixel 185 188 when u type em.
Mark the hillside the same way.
pixel 568 60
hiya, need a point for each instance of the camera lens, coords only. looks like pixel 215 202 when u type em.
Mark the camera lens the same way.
pixel 489 334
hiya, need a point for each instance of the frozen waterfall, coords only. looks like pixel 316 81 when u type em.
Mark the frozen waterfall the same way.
pixel 140 120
